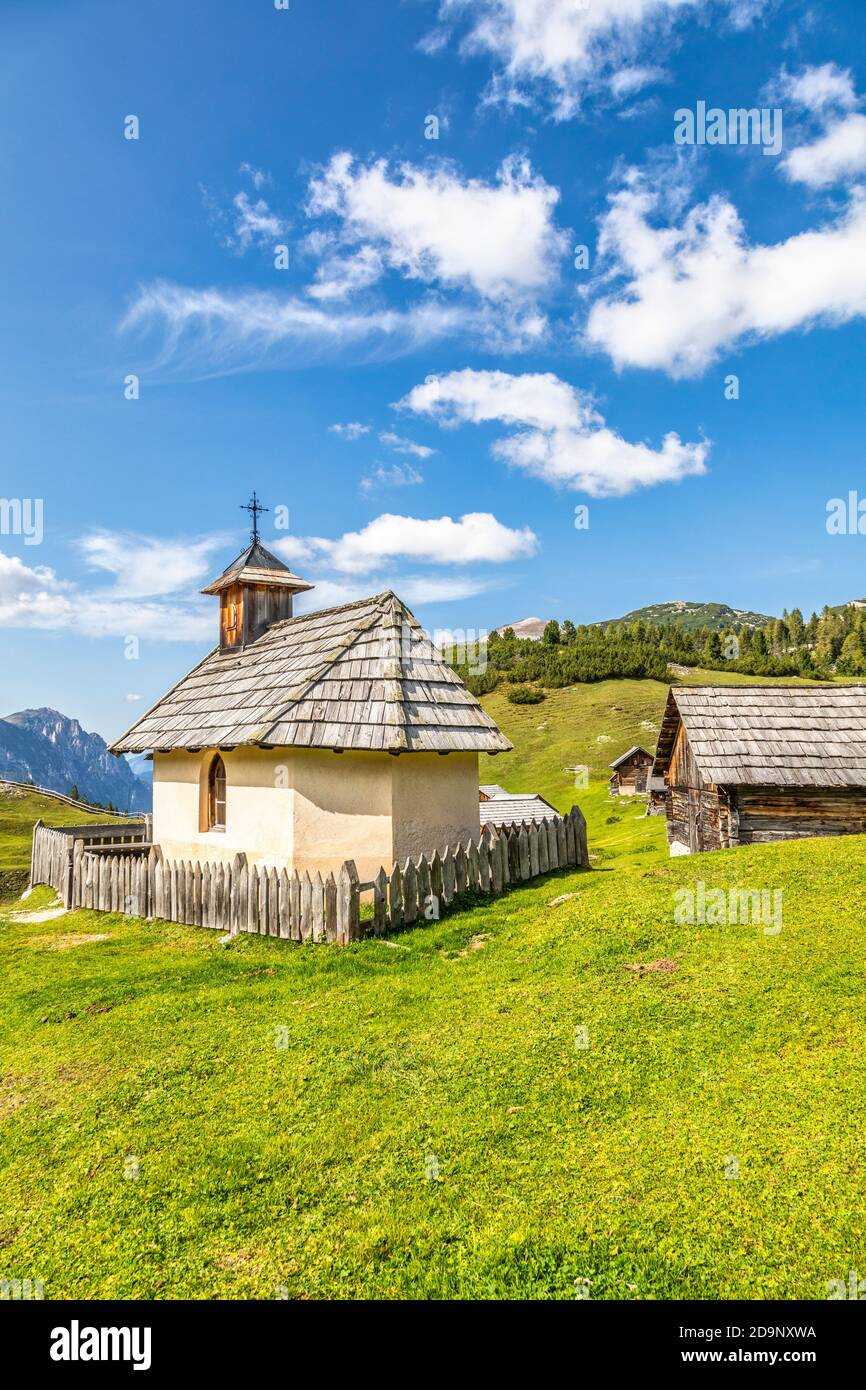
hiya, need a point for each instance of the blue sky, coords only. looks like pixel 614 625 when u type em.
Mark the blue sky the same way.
pixel 431 304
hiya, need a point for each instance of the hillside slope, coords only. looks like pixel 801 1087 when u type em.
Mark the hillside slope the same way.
pixel 429 1119
pixel 19 812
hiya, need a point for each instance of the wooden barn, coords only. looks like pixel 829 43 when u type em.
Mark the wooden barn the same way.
pixel 630 772
pixel 752 764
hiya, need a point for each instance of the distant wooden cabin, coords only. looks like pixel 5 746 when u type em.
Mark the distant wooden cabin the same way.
pixel 753 764
pixel 630 772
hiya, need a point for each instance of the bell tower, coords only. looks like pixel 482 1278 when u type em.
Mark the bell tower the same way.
pixel 255 591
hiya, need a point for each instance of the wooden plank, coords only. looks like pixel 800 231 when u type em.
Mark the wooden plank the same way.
pixel 285 906
pixel 233 894
pixel 181 892
pixel 410 892
pixel 395 897
pixel 331 907
pixel 380 903
pixel 534 866
pixel 578 820
pixel 253 899
pixel 158 890
pixel 473 867
pixel 523 852
pixel 514 874
pixel 295 892
pixel 196 894
pixel 273 903
pixel 448 876
pixel 461 870
pixel 306 907
pixel 552 845
pixel 263 901
pixel 543 859
pixel 425 896
pixel 436 875
pixel 561 843
pixel 484 864
pixel 348 906
pixel 318 909
pixel 497 861
pixel 570 844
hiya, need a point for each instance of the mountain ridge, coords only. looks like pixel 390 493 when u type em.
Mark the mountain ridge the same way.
pixel 52 750
pixel 718 616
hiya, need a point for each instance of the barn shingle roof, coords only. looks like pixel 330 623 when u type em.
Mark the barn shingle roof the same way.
pixel 635 748
pixel 361 676
pixel 512 808
pixel 794 736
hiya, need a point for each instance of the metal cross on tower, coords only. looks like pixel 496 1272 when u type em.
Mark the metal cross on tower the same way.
pixel 255 507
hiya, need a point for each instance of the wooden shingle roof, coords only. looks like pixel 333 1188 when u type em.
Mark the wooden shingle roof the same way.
pixel 781 736
pixel 635 748
pixel 361 676
pixel 512 808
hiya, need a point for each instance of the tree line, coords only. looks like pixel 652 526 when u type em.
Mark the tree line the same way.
pixel 833 643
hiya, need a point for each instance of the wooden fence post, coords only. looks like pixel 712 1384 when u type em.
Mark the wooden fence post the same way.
pixel 35 848
pixel 348 905
pixel 380 903
pixel 331 907
pixel 578 820
pixel 543 859
pixel 523 852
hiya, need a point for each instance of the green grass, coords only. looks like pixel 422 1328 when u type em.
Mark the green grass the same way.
pixel 430 1129
pixel 19 812
pixel 304 1169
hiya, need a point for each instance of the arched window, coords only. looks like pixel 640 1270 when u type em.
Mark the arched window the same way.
pixel 216 795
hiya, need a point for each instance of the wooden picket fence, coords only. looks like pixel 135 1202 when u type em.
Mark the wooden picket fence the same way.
pixel 134 878
pixel 52 850
pixel 503 856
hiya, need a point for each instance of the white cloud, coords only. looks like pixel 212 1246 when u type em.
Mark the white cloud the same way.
pixel 37 599
pixel 339 277
pixel 398 475
pixel 474 538
pixel 559 435
pixel 145 567
pixel 214 330
pixel 132 698
pixel 405 446
pixel 817 88
pixel 412 588
pixel 434 41
pixel 566 48
pixel 838 154
pixel 352 430
pixel 254 223
pixel 258 177
pixel 691 290
pixel 434 226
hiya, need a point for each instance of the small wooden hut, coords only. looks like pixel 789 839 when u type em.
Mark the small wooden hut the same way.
pixel 630 772
pixel 753 764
